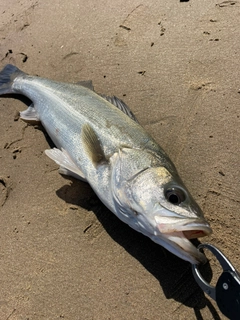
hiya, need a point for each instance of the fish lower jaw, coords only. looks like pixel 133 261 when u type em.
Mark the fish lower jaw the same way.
pixel 176 233
pixel 178 244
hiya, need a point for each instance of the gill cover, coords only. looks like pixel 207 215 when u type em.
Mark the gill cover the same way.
pixel 141 185
pixel 154 201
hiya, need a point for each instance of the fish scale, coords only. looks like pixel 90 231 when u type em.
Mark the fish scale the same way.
pixel 99 141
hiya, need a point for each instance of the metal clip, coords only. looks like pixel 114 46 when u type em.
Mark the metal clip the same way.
pixel 227 290
pixel 224 262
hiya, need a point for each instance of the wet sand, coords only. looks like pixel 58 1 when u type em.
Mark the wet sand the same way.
pixel 63 254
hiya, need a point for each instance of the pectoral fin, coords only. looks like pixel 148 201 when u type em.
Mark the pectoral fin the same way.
pixel 92 145
pixel 67 166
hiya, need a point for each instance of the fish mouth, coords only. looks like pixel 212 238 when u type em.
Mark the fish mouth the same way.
pixel 176 234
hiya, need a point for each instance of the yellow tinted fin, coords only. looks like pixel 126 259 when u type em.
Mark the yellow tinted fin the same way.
pixel 92 144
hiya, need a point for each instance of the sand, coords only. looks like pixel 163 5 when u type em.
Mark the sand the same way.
pixel 176 64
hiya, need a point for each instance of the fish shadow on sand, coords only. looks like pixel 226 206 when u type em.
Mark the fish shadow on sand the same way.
pixel 174 275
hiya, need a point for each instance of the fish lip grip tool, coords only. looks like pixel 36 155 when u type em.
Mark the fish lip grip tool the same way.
pixel 227 290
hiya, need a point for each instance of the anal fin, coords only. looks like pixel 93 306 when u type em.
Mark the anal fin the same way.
pixel 30 114
pixel 67 166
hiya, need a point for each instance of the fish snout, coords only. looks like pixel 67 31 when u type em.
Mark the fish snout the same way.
pixel 177 232
pixel 191 228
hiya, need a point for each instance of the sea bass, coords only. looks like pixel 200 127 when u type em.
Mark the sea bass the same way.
pixel 98 140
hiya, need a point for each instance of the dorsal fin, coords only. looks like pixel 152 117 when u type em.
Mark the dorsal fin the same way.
pixel 120 105
pixel 87 84
pixel 113 100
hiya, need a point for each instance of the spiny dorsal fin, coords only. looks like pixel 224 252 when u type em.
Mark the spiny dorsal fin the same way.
pixel 120 105
pixel 92 145
pixel 113 100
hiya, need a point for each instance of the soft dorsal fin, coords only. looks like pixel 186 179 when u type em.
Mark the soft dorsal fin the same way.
pixel 92 144
pixel 120 105
pixel 87 84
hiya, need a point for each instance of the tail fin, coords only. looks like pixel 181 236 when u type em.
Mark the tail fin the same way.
pixel 7 76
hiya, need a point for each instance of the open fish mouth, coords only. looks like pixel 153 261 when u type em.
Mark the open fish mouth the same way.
pixel 177 232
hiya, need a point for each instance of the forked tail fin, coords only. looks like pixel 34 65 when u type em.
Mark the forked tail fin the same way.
pixel 7 76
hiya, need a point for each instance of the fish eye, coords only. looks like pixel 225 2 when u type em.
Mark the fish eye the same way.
pixel 175 195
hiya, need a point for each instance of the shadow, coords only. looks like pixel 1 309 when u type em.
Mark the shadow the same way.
pixel 211 308
pixel 37 125
pixel 174 275
pixel 20 97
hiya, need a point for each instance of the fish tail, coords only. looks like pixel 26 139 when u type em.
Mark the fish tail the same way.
pixel 7 77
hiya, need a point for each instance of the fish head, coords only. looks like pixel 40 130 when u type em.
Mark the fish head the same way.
pixel 156 203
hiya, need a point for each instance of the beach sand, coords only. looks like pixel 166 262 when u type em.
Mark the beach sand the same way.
pixel 176 64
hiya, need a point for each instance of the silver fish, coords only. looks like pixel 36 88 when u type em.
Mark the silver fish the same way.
pixel 99 141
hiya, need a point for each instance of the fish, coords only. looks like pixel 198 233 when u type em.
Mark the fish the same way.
pixel 99 140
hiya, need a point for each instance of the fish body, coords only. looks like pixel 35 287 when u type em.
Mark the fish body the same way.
pixel 100 142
